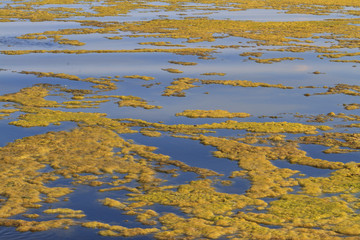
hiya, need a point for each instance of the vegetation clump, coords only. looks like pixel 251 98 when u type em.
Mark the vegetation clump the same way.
pixel 212 114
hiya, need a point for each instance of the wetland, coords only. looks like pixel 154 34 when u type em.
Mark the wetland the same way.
pixel 179 119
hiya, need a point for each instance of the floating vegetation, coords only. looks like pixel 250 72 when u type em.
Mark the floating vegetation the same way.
pixel 244 83
pixel 178 86
pixel 211 114
pixel 146 78
pixel 172 70
pixel 80 123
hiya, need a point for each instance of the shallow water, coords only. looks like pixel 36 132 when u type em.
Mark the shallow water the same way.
pixel 237 158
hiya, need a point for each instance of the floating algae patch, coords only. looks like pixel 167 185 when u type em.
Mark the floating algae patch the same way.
pixel 178 86
pixel 337 142
pixel 132 101
pixel 273 60
pixel 244 83
pixel 211 114
pixel 146 78
pixel 172 70
pixel 183 63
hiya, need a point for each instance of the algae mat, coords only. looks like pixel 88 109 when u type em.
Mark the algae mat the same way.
pixel 179 119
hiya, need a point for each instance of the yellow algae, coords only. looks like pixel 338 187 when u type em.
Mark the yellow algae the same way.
pixel 94 151
pixel 130 189
pixel 83 104
pixel 8 111
pixel 198 198
pixel 147 216
pixel 62 210
pixel 321 118
pixel 344 180
pixel 70 42
pixel 148 133
pixel 172 70
pixel 113 8
pixel 44 117
pixel 226 46
pixel 31 215
pixel 183 63
pixel 352 106
pixel 101 83
pixel 211 114
pixel 306 207
pixel 36 226
pixel 338 142
pixel 202 52
pixel 272 60
pixel 115 38
pixel 30 97
pixel 51 74
pixel 163 44
pixel 255 54
pixel 146 78
pixel 266 127
pixel 267 180
pixel 68 154
pixel 118 231
pixel 346 61
pixel 113 203
pixel 191 228
pixel 65 213
pixel 132 101
pixel 352 90
pixel 178 86
pixel 213 74
pixel 244 83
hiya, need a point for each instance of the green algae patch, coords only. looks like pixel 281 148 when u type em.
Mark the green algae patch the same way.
pixel 244 83
pixel 211 114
